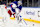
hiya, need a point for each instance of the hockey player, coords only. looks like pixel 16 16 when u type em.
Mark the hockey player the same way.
pixel 18 10
pixel 15 10
pixel 16 7
pixel 13 5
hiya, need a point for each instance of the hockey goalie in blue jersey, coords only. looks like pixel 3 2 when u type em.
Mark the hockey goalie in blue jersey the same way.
pixel 16 7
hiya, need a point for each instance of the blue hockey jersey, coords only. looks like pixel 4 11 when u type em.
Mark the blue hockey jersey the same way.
pixel 12 4
pixel 20 7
